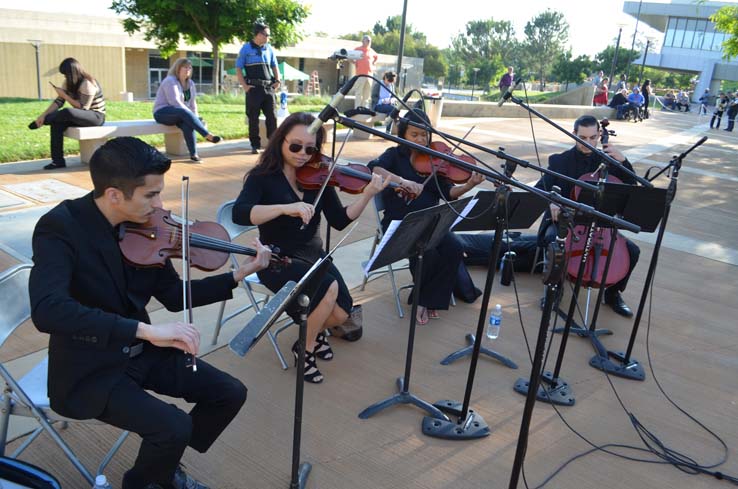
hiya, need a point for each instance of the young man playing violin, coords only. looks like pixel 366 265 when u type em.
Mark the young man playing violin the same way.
pixel 574 163
pixel 440 265
pixel 104 353
pixel 288 217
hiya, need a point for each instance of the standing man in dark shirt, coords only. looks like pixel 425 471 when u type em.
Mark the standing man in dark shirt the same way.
pixel 257 62
pixel 574 163
pixel 105 355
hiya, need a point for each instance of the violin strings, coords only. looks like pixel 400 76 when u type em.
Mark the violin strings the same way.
pixel 214 242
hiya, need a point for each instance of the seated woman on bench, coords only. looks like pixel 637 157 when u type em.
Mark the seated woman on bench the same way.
pixel 83 93
pixel 175 105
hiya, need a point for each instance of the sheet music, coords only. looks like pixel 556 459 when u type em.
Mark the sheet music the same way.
pixel 393 225
pixel 465 212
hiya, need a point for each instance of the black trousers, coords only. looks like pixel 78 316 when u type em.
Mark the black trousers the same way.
pixel 260 99
pixel 717 116
pixel 633 251
pixel 62 119
pixel 440 269
pixel 167 430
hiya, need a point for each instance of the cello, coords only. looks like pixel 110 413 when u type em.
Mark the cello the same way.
pixel 592 244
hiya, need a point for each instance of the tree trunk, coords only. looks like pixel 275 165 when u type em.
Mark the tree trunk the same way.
pixel 216 68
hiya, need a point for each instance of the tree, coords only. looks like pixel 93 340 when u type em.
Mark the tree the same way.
pixel 489 45
pixel 603 60
pixel 217 21
pixel 568 70
pixel 726 20
pixel 545 36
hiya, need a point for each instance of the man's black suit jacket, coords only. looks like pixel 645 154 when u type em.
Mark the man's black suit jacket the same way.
pixel 574 163
pixel 90 301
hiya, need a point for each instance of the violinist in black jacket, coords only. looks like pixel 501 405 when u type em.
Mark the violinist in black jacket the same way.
pixel 574 163
pixel 104 353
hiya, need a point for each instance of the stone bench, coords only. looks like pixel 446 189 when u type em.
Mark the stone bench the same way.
pixel 91 138
pixel 367 120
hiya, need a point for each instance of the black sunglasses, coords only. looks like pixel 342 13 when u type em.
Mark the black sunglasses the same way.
pixel 295 148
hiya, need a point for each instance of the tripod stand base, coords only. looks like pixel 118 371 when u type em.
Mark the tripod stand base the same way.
pixel 632 370
pixel 302 475
pixel 402 397
pixel 467 350
pixel 470 427
pixel 558 392
pixel 578 330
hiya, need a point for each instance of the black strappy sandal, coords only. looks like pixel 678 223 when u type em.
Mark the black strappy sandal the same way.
pixel 312 374
pixel 322 349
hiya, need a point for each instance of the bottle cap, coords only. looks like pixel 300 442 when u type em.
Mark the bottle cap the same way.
pixel 101 480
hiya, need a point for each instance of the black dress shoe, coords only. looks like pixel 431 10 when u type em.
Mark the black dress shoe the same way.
pixel 618 304
pixel 54 166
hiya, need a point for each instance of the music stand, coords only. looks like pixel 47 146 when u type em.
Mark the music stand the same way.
pixel 645 207
pixel 416 232
pixel 260 324
pixel 522 211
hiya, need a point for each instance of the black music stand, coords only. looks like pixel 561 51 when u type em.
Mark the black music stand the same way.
pixel 260 324
pixel 521 212
pixel 644 207
pixel 416 232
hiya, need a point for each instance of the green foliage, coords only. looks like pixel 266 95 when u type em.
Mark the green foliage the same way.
pixel 726 20
pixel 568 70
pixel 545 37
pixel 662 80
pixel 603 60
pixel 217 21
pixel 488 45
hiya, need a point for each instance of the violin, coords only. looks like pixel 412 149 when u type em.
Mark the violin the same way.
pixel 351 178
pixel 425 164
pixel 160 238
pixel 593 240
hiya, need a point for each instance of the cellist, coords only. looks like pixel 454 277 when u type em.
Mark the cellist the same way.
pixel 574 163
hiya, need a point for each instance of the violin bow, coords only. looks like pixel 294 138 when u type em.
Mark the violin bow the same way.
pixel 190 359
pixel 330 173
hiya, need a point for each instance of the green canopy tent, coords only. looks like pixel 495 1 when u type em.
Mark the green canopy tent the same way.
pixel 199 62
pixel 286 72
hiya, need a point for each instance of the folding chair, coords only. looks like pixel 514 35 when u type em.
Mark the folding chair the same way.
pixel 250 284
pixel 28 397
pixel 378 209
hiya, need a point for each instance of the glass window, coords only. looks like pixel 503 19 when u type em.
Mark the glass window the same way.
pixel 689 33
pixel 707 43
pixel 669 39
pixel 679 34
pixel 699 34
pixel 717 43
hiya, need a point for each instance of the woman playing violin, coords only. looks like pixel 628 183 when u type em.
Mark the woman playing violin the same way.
pixel 574 163
pixel 288 217
pixel 440 265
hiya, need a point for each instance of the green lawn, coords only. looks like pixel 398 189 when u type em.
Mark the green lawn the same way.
pixel 224 116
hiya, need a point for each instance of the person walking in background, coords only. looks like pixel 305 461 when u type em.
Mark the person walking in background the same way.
pixel 506 81
pixel 84 94
pixel 176 105
pixel 600 94
pixel 704 102
pixel 732 110
pixel 364 66
pixel 720 105
pixel 257 62
pixel 646 92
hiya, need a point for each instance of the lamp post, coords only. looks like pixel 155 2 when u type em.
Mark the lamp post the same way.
pixel 37 46
pixel 615 58
pixel 635 33
pixel 643 62
pixel 474 83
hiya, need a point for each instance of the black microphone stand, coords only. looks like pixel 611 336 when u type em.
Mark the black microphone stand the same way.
pixel 617 362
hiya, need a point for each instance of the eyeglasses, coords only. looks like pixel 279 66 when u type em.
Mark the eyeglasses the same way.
pixel 265 34
pixel 295 148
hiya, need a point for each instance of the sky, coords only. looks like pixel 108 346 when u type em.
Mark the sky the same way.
pixel 591 29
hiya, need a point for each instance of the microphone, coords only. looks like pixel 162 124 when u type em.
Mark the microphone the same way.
pixel 330 110
pixel 395 114
pixel 509 91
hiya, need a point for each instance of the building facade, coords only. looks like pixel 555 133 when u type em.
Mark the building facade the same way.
pixel 690 42
pixel 32 44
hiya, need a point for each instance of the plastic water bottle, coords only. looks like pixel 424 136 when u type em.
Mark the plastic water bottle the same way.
pixel 495 321
pixel 101 482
